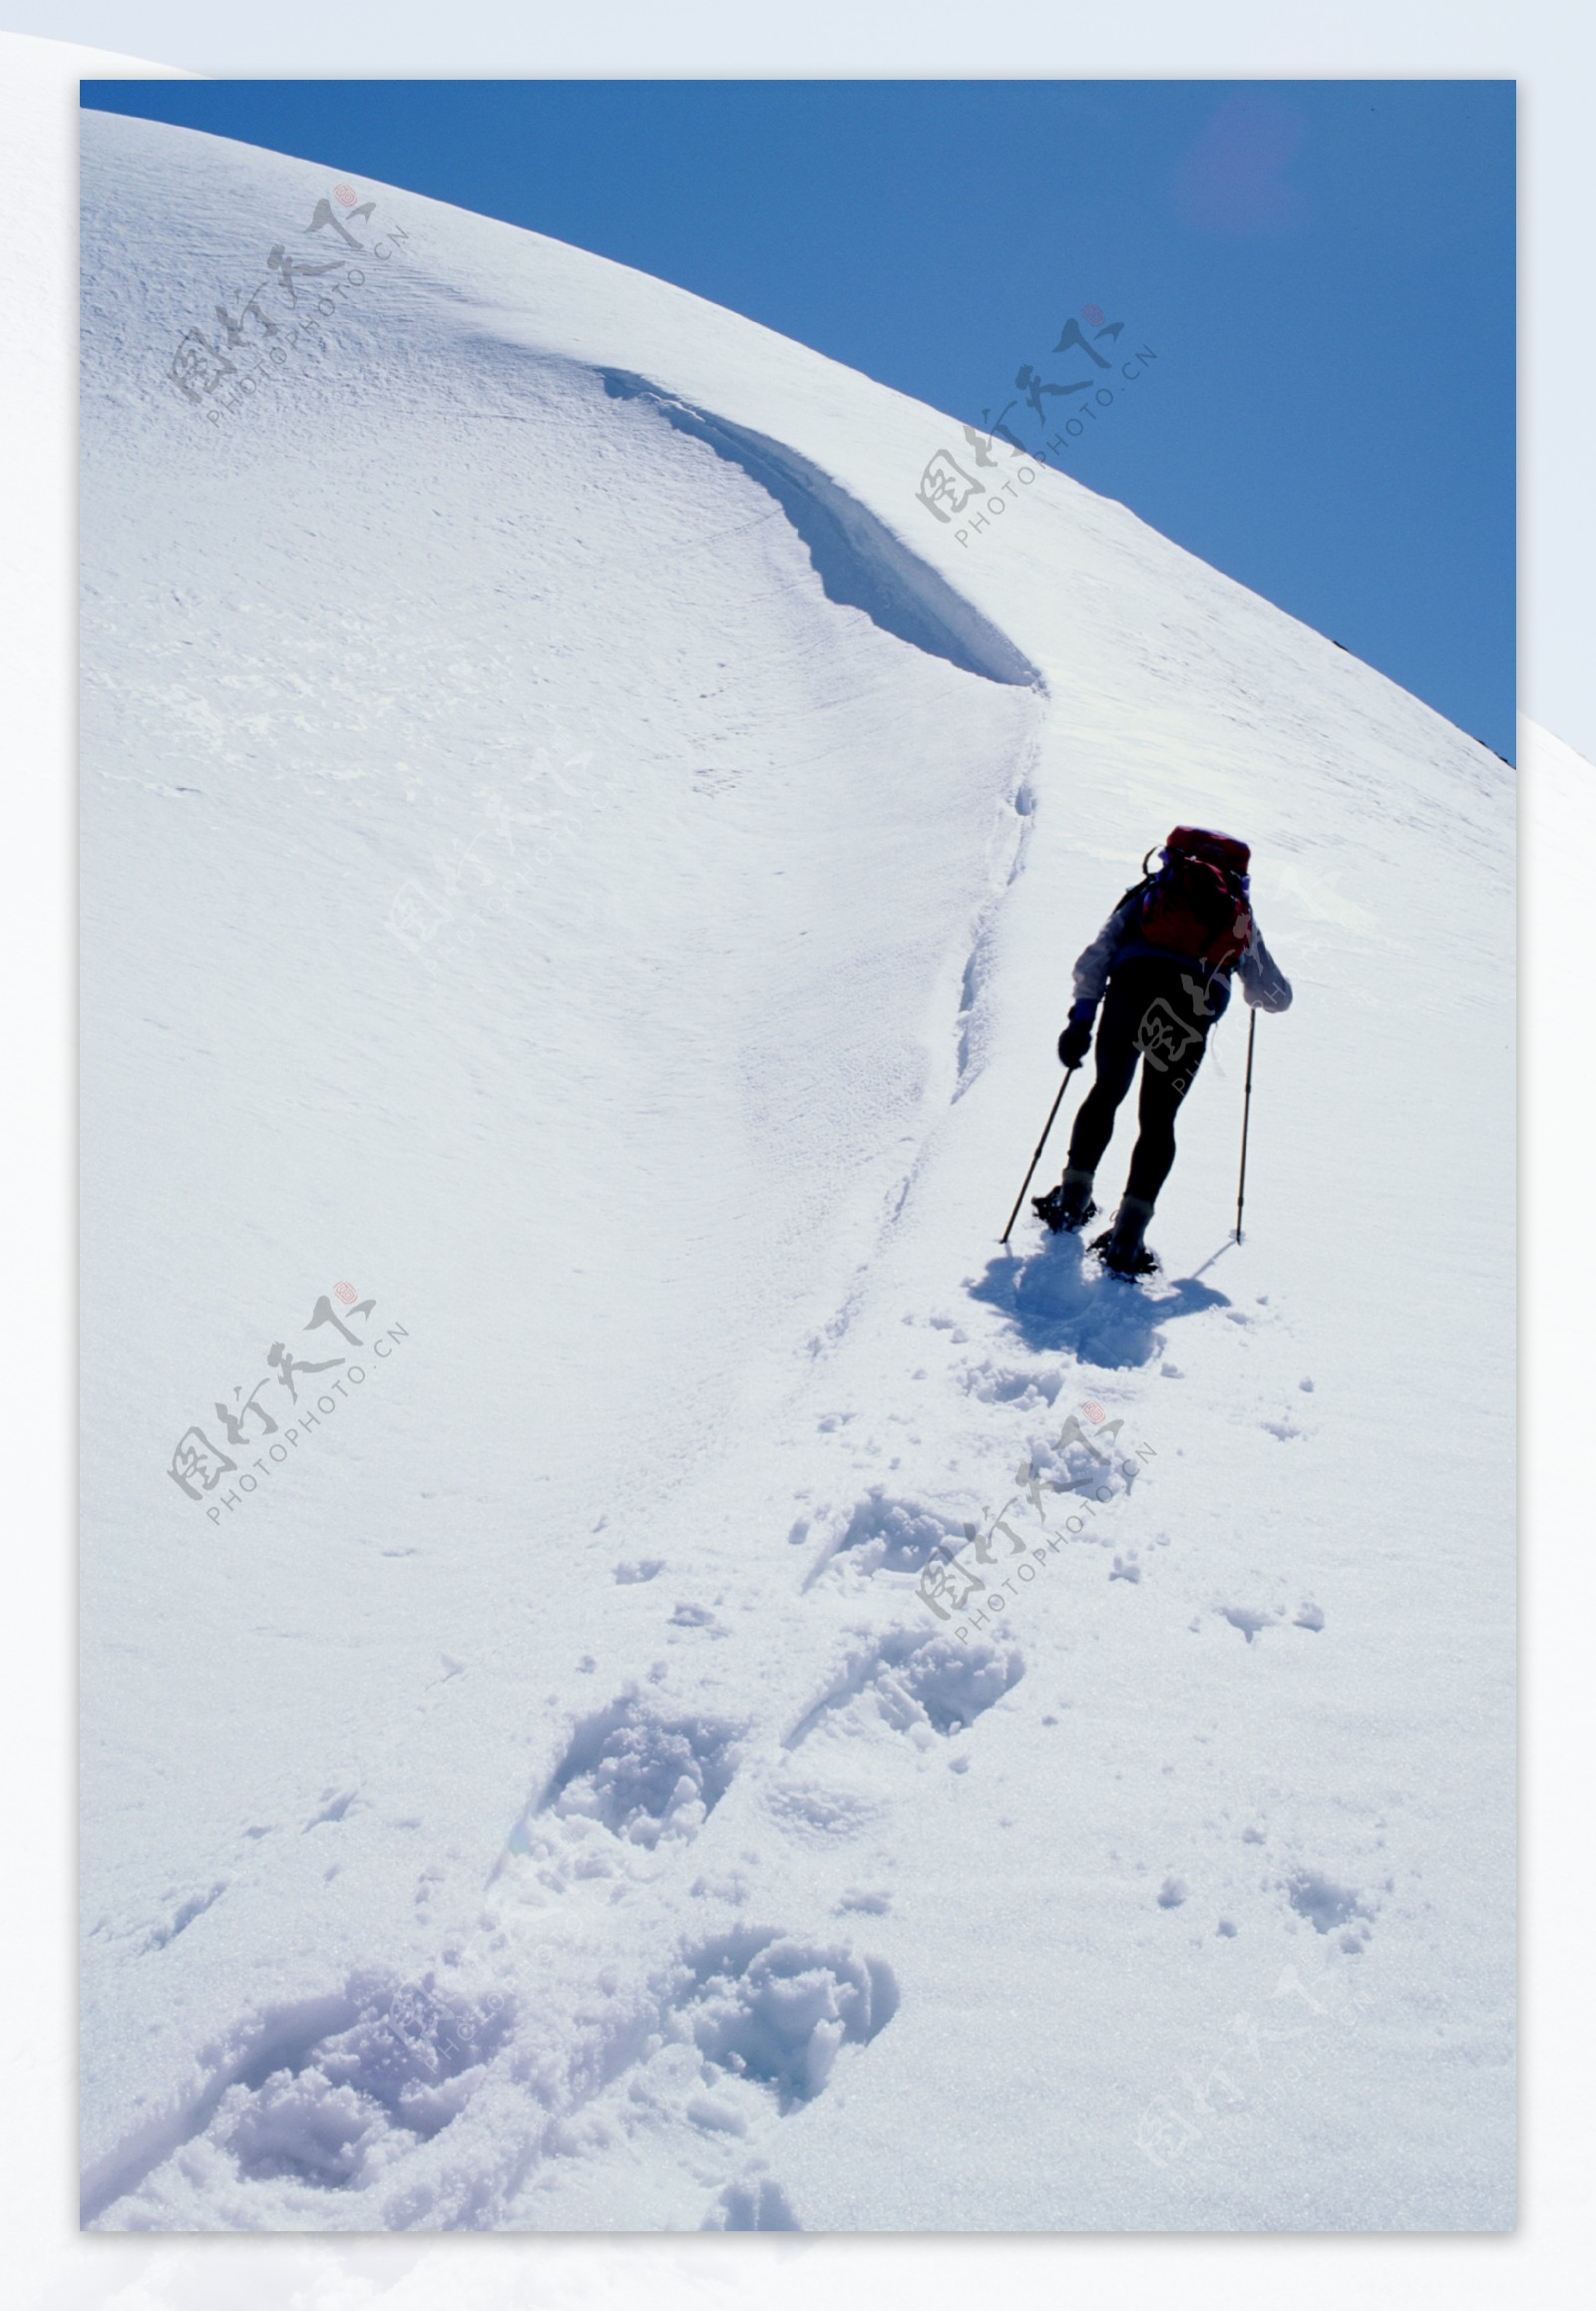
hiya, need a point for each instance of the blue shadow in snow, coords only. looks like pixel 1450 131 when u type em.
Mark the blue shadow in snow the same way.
pixel 857 557
pixel 1057 1299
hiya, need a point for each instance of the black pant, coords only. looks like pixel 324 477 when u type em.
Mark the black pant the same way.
pixel 1155 1012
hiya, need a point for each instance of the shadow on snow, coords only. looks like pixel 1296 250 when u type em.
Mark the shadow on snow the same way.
pixel 859 561
pixel 1056 1299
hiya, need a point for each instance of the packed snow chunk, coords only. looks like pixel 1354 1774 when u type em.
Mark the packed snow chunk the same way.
pixel 299 2126
pixel 714 2117
pixel 911 1683
pixel 873 1902
pixel 756 2206
pixel 1249 1619
pixel 991 1383
pixel 1324 1904
pixel 643 1775
pixel 775 2010
pixel 690 1616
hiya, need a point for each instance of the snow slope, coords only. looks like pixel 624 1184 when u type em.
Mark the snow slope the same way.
pixel 578 856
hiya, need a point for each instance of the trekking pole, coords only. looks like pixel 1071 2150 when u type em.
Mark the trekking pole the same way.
pixel 1245 1118
pixel 1040 1144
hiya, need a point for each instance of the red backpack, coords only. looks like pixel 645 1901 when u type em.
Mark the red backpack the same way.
pixel 1196 905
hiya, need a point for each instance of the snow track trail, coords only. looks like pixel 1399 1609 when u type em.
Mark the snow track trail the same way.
pixel 764 1708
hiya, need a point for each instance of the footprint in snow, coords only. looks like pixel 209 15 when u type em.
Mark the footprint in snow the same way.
pixel 633 1775
pixel 882 1533
pixel 310 2099
pixel 775 2010
pixel 886 1534
pixel 920 1685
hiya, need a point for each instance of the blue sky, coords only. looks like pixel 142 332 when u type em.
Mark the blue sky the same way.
pixel 1326 271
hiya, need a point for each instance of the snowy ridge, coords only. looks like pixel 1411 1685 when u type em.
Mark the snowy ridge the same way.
pixel 582 867
pixel 856 556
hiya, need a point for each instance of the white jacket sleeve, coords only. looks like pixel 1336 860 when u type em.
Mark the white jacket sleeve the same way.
pixel 1095 962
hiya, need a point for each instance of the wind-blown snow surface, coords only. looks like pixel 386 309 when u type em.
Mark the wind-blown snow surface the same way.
pixel 574 851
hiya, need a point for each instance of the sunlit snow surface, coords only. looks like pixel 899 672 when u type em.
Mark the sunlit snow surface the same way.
pixel 575 854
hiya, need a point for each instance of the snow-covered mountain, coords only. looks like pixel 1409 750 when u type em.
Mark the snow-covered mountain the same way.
pixel 582 870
